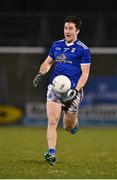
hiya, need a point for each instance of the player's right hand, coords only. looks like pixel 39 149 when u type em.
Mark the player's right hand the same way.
pixel 70 95
pixel 37 79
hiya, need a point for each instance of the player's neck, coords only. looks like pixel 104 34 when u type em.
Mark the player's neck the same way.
pixel 70 43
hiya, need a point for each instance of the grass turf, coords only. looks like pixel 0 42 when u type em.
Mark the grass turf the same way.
pixel 91 153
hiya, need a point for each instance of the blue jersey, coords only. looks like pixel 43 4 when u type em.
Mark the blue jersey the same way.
pixel 68 58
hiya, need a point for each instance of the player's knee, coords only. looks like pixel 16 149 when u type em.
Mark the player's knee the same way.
pixel 70 118
pixel 52 122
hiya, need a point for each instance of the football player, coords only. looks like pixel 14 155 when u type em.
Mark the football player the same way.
pixel 72 58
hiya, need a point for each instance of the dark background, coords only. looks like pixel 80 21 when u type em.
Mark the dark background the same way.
pixel 58 6
pixel 39 23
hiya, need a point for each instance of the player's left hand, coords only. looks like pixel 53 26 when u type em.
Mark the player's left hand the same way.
pixel 37 79
pixel 69 95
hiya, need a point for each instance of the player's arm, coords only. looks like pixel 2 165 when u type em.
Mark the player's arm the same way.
pixel 46 65
pixel 85 68
pixel 44 68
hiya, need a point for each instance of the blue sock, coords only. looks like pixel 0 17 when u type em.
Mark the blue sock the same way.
pixel 52 151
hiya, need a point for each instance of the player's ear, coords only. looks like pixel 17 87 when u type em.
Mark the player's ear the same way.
pixel 78 31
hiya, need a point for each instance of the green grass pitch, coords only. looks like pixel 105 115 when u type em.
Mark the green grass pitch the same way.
pixel 89 154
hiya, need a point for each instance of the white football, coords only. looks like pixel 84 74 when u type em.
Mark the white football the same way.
pixel 61 84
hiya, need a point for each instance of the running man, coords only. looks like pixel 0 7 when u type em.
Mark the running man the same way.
pixel 71 58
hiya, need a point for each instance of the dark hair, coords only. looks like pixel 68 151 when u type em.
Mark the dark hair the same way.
pixel 74 19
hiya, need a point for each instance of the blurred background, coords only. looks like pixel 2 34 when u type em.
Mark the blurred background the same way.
pixel 27 30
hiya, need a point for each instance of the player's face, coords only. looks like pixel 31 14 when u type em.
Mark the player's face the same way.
pixel 70 32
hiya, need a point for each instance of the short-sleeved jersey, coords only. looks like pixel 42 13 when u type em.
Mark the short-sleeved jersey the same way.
pixel 68 59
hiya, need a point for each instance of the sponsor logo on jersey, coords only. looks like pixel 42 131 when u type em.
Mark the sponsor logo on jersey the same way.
pixel 62 58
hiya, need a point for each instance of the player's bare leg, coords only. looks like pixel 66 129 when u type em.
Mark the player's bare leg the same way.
pixel 71 122
pixel 53 114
